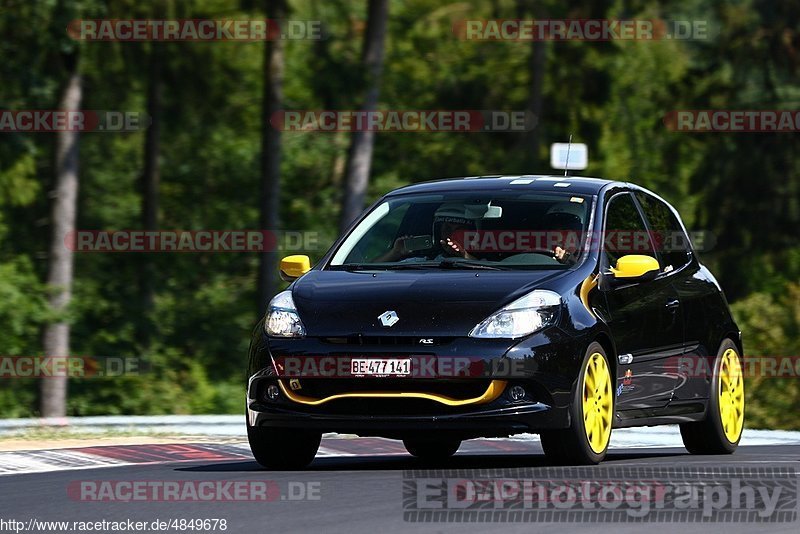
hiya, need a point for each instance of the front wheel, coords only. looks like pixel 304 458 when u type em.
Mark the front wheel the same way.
pixel 721 430
pixel 283 448
pixel 432 448
pixel 591 415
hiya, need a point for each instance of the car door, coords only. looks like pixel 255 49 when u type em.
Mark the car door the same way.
pixel 644 317
pixel 699 298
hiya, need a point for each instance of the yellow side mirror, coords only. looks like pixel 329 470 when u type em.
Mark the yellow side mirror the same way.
pixel 635 266
pixel 294 266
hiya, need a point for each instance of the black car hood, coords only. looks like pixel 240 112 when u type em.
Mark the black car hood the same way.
pixel 428 303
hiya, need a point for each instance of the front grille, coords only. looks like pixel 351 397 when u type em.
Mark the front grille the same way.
pixel 453 388
pixel 360 340
pixel 391 407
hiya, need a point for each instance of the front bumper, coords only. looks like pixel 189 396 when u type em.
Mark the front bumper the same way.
pixel 486 422
pixel 545 365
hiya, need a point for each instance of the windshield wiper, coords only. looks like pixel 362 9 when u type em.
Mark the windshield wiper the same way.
pixel 356 267
pixel 384 266
pixel 455 263
pixel 413 265
pixel 447 263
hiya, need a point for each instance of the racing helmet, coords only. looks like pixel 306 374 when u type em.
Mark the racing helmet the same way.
pixel 457 213
pixel 565 224
pixel 574 209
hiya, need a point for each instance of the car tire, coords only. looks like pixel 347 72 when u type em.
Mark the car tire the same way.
pixel 721 430
pixel 283 448
pixel 432 449
pixel 575 445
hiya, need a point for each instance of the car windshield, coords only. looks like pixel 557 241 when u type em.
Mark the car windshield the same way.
pixel 469 230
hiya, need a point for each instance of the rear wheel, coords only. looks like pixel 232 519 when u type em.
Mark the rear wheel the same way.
pixel 432 448
pixel 283 448
pixel 721 430
pixel 591 415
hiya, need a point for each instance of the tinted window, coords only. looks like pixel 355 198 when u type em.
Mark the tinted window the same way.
pixel 382 234
pixel 671 241
pixel 625 231
pixel 503 229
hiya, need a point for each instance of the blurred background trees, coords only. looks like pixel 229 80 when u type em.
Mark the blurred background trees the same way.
pixel 188 316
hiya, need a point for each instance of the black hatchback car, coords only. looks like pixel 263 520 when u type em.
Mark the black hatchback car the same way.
pixel 492 306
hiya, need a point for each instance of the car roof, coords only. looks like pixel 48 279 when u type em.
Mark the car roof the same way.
pixel 529 182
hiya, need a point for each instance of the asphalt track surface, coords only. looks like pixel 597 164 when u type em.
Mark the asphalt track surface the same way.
pixel 366 492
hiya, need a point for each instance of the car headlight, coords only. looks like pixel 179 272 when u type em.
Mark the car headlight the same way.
pixel 524 316
pixel 282 317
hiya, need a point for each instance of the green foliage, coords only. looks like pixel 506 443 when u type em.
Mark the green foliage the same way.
pixel 23 309
pixel 22 313
pixel 771 329
pixel 743 188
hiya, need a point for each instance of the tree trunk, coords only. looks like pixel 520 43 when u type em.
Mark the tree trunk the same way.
pixel 59 278
pixel 536 72
pixel 151 178
pixel 271 154
pixel 359 158
pixel 536 66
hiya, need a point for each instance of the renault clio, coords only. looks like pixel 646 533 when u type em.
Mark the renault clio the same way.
pixel 492 306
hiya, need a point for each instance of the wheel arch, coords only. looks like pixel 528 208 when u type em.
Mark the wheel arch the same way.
pixel 611 351
pixel 736 337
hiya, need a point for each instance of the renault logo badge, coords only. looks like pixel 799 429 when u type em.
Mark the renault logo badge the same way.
pixel 389 318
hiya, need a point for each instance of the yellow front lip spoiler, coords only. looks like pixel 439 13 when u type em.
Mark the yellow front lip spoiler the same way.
pixel 495 389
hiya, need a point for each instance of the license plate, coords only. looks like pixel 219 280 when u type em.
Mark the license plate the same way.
pixel 384 367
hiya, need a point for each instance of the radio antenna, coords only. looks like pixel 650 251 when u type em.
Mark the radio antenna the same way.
pixel 566 164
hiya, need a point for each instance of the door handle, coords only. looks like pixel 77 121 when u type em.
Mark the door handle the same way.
pixel 673 304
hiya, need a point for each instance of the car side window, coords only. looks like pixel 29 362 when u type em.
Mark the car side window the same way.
pixel 671 241
pixel 380 237
pixel 625 232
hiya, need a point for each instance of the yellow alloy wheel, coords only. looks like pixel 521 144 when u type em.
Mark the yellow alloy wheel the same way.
pixel 597 402
pixel 731 395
